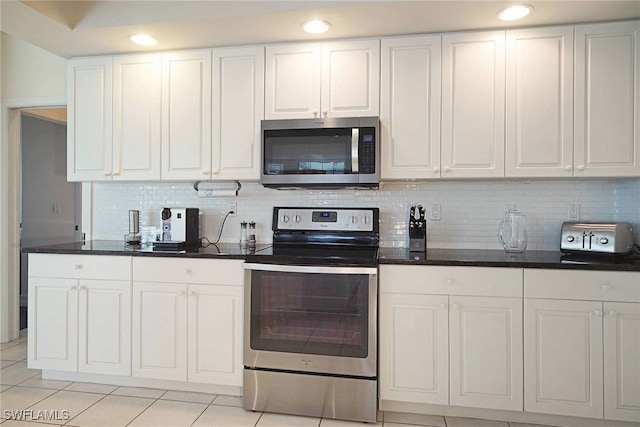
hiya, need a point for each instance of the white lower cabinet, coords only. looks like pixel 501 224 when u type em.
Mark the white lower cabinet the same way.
pixel 160 331
pixel 582 343
pixel 78 322
pixel 563 357
pixel 486 352
pixel 414 348
pixel 187 320
pixel 443 343
pixel 622 361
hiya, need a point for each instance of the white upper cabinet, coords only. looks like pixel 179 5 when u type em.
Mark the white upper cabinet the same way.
pixel 473 105
pixel 539 94
pixel 89 118
pixel 292 87
pixel 238 107
pixel 410 107
pixel 607 99
pixel 186 115
pixel 336 79
pixel 136 117
pixel 113 130
pixel 350 78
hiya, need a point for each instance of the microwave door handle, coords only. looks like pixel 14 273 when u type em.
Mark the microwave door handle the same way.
pixel 355 137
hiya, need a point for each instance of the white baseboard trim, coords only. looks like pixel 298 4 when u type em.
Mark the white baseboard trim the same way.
pixel 117 380
pixel 499 415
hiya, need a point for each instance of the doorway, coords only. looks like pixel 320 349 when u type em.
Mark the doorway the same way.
pixel 50 207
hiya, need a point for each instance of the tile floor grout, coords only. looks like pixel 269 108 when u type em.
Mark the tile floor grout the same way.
pixel 386 419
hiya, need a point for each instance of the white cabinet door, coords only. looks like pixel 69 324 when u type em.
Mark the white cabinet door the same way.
pixel 350 79
pixel 159 331
pixel 89 120
pixel 539 88
pixel 473 78
pixel 622 361
pixel 53 324
pixel 136 117
pixel 186 115
pixel 414 356
pixel 292 86
pixel 486 352
pixel 607 99
pixel 563 340
pixel 410 107
pixel 238 107
pixel 104 327
pixel 215 334
pixel 336 79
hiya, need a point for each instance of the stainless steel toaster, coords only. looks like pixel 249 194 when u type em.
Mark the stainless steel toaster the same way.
pixel 598 237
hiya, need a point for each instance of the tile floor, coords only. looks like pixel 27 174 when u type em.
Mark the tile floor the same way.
pixel 98 405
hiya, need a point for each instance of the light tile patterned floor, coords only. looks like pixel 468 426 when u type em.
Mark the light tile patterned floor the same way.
pixel 98 405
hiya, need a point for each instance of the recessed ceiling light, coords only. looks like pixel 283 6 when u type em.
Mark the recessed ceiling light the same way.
pixel 515 12
pixel 143 40
pixel 316 27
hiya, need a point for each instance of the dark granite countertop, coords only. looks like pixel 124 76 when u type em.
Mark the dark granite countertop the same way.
pixel 497 258
pixel 386 255
pixel 115 247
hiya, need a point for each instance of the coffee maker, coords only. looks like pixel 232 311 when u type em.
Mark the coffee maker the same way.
pixel 180 226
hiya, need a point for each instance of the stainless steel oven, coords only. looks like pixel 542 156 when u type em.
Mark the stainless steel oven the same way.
pixel 310 337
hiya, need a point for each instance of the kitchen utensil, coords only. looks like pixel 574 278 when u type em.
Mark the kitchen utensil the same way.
pixel 512 232
pixel 417 229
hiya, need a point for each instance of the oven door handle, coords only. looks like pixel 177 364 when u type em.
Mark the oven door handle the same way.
pixel 311 269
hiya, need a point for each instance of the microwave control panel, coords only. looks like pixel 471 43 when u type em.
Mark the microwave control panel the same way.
pixel 367 151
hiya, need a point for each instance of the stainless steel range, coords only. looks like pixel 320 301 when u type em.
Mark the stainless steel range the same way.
pixel 310 332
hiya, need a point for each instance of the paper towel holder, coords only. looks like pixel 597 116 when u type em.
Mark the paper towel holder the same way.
pixel 217 192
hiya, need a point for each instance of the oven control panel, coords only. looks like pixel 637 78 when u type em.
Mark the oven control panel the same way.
pixel 344 219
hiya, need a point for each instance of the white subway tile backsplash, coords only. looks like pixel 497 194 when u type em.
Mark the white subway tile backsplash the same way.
pixel 470 210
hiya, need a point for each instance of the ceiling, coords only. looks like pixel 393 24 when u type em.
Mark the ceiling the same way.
pixel 81 28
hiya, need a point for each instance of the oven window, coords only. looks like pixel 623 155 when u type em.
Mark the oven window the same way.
pixel 307 151
pixel 325 314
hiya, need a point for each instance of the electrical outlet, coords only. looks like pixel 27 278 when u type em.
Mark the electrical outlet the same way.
pixel 233 206
pixel 509 207
pixel 434 212
pixel 573 212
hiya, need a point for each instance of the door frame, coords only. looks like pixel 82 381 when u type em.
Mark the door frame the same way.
pixel 10 167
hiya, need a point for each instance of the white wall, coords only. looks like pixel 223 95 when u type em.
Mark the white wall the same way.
pixel 470 209
pixel 31 72
pixel 29 77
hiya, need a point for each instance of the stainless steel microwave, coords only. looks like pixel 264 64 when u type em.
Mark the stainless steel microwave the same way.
pixel 321 153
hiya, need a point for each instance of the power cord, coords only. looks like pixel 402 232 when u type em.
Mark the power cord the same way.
pixel 209 243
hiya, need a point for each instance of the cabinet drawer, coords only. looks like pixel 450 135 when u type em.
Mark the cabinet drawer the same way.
pixel 501 282
pixel 188 270
pixel 80 266
pixel 582 285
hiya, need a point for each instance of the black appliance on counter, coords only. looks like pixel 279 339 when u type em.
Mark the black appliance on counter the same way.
pixel 310 331
pixel 417 229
